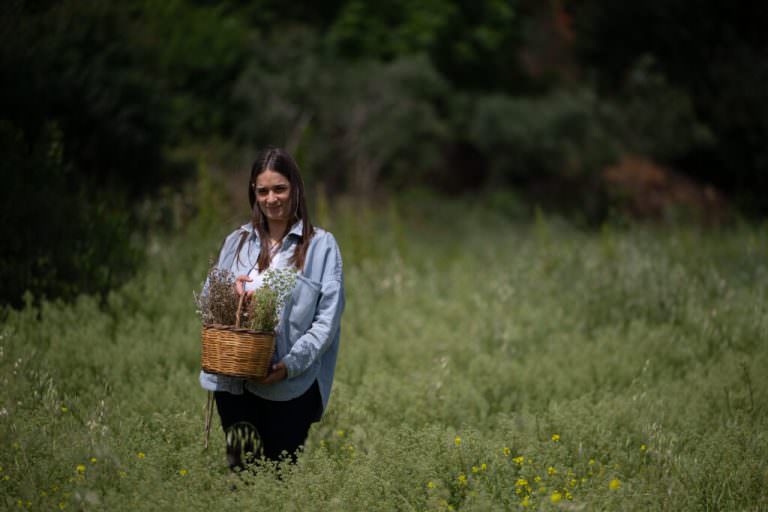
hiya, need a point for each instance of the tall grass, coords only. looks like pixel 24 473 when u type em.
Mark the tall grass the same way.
pixel 484 365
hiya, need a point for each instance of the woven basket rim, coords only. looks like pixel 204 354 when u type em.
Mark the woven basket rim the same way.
pixel 232 328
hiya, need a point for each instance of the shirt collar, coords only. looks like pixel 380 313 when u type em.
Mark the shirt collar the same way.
pixel 297 229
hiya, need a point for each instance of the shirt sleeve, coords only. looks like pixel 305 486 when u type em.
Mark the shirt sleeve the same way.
pixel 312 344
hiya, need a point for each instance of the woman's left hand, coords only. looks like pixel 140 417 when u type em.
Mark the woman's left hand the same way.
pixel 279 372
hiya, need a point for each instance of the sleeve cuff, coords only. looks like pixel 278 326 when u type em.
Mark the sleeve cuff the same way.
pixel 290 366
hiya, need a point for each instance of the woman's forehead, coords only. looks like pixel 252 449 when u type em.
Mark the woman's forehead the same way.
pixel 270 178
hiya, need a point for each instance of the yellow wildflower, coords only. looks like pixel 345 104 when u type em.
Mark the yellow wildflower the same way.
pixel 457 441
pixel 525 502
pixel 591 462
pixel 521 482
pixel 483 467
pixel 430 485
pixel 518 460
pixel 614 484
pixel 340 433
pixel 556 497
pixel 183 472
pixel 568 495
pixel 462 479
pixel 643 447
pixel 555 437
pixel 475 469
pixel 80 468
pixel 537 479
pixel 140 455
pixel 506 451
pixel 573 482
pixel 93 459
pixel 551 471
pixel 64 408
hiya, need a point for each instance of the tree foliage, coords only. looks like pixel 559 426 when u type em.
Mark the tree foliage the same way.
pixel 368 95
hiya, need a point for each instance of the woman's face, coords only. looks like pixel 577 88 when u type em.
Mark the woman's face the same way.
pixel 273 195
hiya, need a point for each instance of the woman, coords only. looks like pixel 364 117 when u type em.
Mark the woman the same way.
pixel 277 411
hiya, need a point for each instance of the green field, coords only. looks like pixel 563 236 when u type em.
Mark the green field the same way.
pixel 484 365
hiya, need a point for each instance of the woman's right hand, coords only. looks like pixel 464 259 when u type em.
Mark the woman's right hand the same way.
pixel 240 284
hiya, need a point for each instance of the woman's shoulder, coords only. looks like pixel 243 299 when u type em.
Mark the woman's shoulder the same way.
pixel 232 240
pixel 238 233
pixel 323 238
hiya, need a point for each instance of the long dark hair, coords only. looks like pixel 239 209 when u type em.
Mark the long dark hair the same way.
pixel 278 160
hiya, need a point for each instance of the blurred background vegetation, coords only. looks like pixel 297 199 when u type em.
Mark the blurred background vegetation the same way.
pixel 117 117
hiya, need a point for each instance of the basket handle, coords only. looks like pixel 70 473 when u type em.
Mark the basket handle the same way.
pixel 239 310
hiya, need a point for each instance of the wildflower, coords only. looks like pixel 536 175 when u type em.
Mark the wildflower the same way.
pixel 555 437
pixel 457 441
pixel 591 462
pixel 556 497
pixel 518 460
pixel 64 409
pixel 614 484
pixel 537 479
pixel 521 482
pixel 462 479
pixel 573 482
pixel 183 472
pixel 568 495
pixel 551 471
pixel 93 460
pixel 80 468
pixel 340 433
pixel 506 451
pixel 525 502
pixel 475 469
pixel 140 455
pixel 643 448
pixel 430 485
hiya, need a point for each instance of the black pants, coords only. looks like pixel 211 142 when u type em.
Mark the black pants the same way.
pixel 281 426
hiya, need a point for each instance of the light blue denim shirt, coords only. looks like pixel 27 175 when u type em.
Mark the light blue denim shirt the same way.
pixel 310 324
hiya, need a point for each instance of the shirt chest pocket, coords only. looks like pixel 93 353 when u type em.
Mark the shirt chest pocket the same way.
pixel 304 298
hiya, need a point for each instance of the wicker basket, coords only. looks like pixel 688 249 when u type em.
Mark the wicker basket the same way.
pixel 236 352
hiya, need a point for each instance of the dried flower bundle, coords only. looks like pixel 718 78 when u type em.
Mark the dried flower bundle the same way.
pixel 217 303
